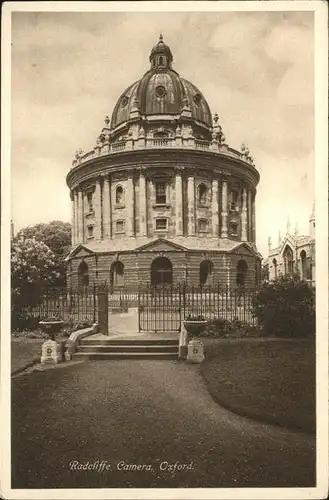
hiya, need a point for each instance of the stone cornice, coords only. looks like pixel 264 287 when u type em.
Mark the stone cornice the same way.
pixel 223 164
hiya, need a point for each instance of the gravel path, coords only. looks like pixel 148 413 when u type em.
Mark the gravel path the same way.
pixel 144 412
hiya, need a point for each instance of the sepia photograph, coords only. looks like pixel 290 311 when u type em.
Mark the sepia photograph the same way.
pixel 164 250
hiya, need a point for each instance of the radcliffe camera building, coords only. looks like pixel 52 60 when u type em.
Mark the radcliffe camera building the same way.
pixel 162 198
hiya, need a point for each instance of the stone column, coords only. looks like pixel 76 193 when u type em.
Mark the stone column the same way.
pixel 142 204
pixel 179 203
pixel 253 217
pixel 98 210
pixel 249 216
pixel 130 201
pixel 75 226
pixel 191 205
pixel 244 219
pixel 80 217
pixel 72 218
pixel 110 222
pixel 214 208
pixel 106 207
pixel 224 210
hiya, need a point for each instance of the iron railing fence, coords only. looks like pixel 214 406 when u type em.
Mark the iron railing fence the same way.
pixel 163 308
pixel 160 308
pixel 78 305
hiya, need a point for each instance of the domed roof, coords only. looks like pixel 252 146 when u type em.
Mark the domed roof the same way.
pixel 161 91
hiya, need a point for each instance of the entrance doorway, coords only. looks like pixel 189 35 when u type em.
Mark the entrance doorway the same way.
pixel 161 272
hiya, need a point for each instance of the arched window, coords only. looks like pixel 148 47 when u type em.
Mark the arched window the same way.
pixel 202 194
pixel 241 272
pixel 206 268
pixel 234 200
pixel 288 260
pixel 83 274
pixel 275 264
pixel 303 265
pixel 117 274
pixel 161 271
pixel 119 195
pixel 160 61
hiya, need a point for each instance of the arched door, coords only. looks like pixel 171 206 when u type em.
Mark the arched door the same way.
pixel 161 272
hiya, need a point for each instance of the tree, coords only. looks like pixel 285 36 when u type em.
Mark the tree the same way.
pixel 286 307
pixel 33 266
pixel 57 236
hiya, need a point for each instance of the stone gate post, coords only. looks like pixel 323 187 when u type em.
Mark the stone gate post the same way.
pixel 103 309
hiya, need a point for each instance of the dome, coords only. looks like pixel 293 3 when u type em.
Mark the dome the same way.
pixel 161 91
pixel 161 49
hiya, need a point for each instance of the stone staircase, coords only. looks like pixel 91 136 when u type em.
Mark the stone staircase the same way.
pixel 105 349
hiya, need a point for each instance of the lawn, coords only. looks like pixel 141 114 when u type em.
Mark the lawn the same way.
pixel 24 352
pixel 273 381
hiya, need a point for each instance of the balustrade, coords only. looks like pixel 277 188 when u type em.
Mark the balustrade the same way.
pixel 163 142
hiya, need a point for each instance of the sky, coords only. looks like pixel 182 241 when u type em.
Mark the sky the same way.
pixel 256 70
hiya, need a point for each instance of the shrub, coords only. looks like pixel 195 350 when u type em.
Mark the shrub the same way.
pixel 21 322
pixel 82 324
pixel 286 307
pixel 221 327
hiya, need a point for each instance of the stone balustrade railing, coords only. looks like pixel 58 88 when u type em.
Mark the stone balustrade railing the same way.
pixel 106 148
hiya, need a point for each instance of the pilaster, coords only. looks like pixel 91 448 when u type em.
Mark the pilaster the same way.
pixel 214 208
pixel 253 217
pixel 130 204
pixel 249 215
pixel 75 222
pixel 191 204
pixel 224 210
pixel 80 218
pixel 98 210
pixel 106 207
pixel 179 202
pixel 142 204
pixel 244 220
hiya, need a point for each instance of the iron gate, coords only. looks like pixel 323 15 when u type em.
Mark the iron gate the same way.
pixel 159 309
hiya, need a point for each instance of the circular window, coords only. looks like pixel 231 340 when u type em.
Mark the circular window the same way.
pixel 197 99
pixel 124 101
pixel 160 91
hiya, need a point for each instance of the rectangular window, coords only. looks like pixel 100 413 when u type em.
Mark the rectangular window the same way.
pixel 161 224
pixel 203 225
pixel 120 226
pixel 233 229
pixel 90 201
pixel 160 193
pixel 90 230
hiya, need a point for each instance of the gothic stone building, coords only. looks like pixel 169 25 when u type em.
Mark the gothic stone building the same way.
pixel 294 254
pixel 162 198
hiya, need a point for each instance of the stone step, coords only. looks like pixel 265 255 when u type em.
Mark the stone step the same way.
pixel 128 348
pixel 129 342
pixel 99 356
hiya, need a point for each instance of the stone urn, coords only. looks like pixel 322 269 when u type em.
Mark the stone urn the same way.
pixel 51 327
pixel 194 326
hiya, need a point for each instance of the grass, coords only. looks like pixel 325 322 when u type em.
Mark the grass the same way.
pixel 24 353
pixel 26 349
pixel 272 381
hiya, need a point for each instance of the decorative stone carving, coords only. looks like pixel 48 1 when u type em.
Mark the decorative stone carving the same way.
pixel 178 131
